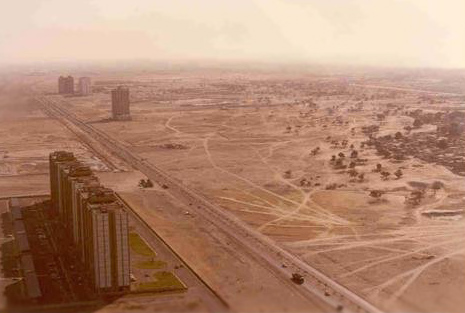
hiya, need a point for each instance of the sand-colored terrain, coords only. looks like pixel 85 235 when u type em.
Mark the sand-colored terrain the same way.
pixel 251 159
pixel 27 137
pixel 246 141
pixel 239 279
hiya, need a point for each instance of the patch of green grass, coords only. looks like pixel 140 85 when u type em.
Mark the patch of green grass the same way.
pixel 151 264
pixel 164 281
pixel 139 246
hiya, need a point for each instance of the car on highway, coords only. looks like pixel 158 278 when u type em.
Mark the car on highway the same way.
pixel 297 278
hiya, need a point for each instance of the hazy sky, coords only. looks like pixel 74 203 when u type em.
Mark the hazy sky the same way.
pixel 373 32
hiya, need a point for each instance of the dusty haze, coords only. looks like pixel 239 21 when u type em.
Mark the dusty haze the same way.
pixel 423 33
pixel 220 156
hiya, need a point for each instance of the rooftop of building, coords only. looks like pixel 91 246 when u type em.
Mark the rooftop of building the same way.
pixel 90 186
pixel 79 170
pixel 67 164
pixel 107 207
pixel 87 182
pixel 123 88
pixel 62 156
pixel 101 196
pixel 14 202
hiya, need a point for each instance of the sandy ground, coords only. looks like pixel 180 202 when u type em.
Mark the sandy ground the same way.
pixel 239 279
pixel 385 250
pixel 243 282
pixel 27 137
pixel 238 157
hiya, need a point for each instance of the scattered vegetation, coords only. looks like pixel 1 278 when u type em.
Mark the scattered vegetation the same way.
pixel 398 173
pixel 385 175
pixel 173 146
pixel 435 186
pixel 415 197
pixel 378 168
pixel 376 194
pixel 334 186
pixel 315 151
pixel 288 174
pixel 145 183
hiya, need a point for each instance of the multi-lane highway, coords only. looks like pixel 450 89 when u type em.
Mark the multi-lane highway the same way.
pixel 317 287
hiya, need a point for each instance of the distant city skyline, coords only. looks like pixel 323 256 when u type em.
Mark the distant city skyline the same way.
pixel 410 33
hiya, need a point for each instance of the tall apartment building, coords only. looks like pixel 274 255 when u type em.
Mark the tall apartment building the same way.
pixel 80 186
pixel 84 191
pixel 66 85
pixel 74 176
pixel 63 192
pixel 55 159
pixel 84 86
pixel 106 242
pixel 94 222
pixel 120 103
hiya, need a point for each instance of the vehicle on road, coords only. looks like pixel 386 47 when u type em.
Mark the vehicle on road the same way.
pixel 297 278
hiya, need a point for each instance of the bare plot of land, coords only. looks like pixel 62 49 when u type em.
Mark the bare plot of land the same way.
pixel 257 161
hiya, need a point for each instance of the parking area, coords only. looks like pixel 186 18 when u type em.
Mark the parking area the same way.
pixel 46 259
pixel 53 275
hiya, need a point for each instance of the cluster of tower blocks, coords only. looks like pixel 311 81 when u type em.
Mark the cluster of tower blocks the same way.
pixel 94 221
pixel 66 85
pixel 119 96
